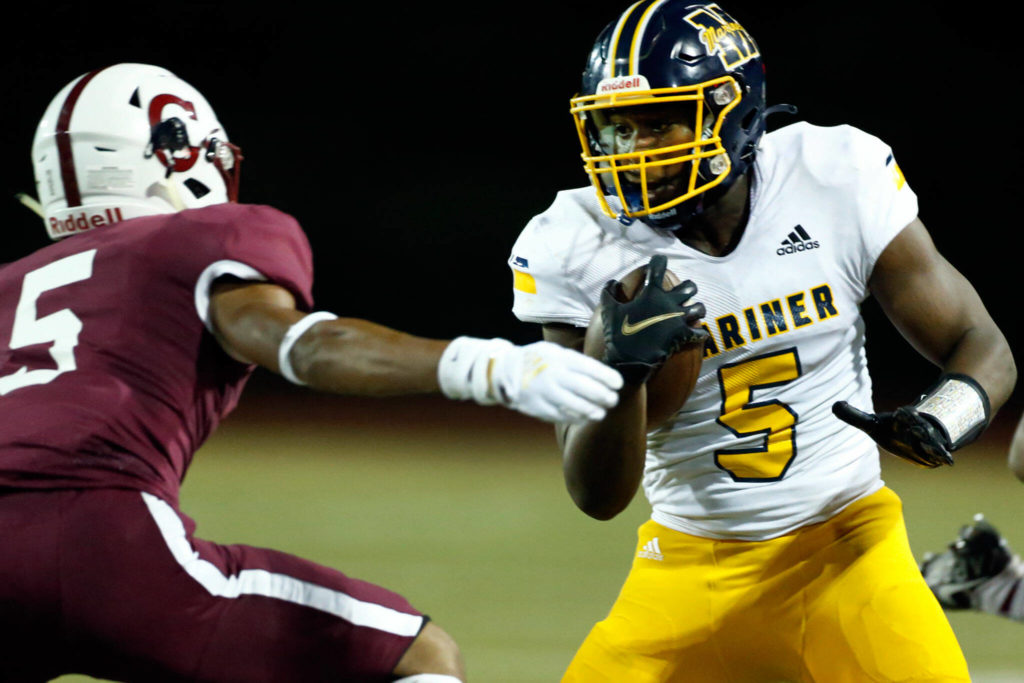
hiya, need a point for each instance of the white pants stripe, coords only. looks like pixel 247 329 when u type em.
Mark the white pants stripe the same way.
pixel 271 585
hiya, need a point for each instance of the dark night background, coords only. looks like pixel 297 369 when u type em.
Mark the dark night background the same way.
pixel 413 141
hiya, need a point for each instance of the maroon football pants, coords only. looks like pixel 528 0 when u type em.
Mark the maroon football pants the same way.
pixel 111 583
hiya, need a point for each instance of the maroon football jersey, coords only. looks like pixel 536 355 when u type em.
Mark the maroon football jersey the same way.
pixel 108 375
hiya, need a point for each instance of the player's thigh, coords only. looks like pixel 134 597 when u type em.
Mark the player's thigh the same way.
pixel 29 586
pixel 660 626
pixel 148 601
pixel 877 619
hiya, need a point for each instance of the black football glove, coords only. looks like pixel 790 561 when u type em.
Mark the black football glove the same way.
pixel 641 334
pixel 904 432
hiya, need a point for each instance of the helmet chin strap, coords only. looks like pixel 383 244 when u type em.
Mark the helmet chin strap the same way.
pixel 167 191
pixel 760 125
pixel 175 196
pixel 32 203
pixel 779 109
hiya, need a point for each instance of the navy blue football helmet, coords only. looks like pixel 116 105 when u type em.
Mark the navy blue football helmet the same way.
pixel 671 110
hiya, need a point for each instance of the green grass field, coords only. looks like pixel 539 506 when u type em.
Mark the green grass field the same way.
pixel 462 510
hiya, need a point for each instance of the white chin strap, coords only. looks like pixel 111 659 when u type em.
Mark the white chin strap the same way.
pixel 429 678
pixel 166 191
pixel 32 203
pixel 174 195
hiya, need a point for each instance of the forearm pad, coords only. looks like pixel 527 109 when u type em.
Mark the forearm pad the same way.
pixel 959 407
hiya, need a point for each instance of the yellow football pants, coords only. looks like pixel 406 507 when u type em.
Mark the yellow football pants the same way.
pixel 832 602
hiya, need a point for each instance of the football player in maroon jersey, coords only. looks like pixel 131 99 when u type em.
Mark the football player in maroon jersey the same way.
pixel 125 343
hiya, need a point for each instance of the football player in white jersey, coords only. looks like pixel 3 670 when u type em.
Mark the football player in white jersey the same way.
pixel 774 550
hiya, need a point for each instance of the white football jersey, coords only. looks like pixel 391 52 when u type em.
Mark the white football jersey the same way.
pixel 756 451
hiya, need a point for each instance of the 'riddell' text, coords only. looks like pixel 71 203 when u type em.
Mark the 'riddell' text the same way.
pixel 85 221
pixel 627 84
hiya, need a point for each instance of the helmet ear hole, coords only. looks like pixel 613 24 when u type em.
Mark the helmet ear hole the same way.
pixel 170 135
pixel 198 189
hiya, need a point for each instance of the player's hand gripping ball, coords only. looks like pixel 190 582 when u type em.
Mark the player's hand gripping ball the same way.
pixel 651 335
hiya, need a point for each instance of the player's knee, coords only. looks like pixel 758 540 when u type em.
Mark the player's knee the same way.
pixel 1015 460
pixel 433 652
pixel 1016 464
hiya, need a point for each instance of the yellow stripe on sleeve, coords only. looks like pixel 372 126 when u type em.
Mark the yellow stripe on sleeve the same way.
pixel 897 176
pixel 524 282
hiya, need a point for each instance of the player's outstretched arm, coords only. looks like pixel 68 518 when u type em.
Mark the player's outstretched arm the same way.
pixel 258 323
pixel 939 312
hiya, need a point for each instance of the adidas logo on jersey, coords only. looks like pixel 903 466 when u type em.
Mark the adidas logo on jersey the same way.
pixel 797 241
pixel 651 550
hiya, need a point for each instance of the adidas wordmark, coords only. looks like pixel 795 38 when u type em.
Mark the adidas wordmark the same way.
pixel 797 241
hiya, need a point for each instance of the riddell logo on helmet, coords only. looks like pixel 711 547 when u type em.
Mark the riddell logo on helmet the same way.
pixel 84 221
pixel 608 85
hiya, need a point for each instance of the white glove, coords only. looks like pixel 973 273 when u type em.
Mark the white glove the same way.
pixel 542 380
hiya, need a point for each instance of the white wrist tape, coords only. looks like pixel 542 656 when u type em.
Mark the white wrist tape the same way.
pixel 463 371
pixel 284 361
pixel 959 404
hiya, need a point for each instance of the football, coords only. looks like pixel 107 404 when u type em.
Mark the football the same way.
pixel 672 383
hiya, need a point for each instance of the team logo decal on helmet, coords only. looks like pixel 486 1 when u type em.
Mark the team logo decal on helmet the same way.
pixel 723 37
pixel 170 135
pixel 671 109
pixel 125 141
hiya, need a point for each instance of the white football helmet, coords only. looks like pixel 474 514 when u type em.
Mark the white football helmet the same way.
pixel 125 141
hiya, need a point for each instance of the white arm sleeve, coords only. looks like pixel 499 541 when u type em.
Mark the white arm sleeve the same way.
pixel 210 274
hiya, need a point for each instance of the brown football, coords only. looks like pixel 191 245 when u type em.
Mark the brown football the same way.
pixel 670 385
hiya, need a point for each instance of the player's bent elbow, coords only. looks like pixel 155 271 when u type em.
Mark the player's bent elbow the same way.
pixel 601 505
pixel 602 514
pixel 602 482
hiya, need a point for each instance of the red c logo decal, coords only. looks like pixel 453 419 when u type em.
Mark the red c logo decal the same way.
pixel 156 111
